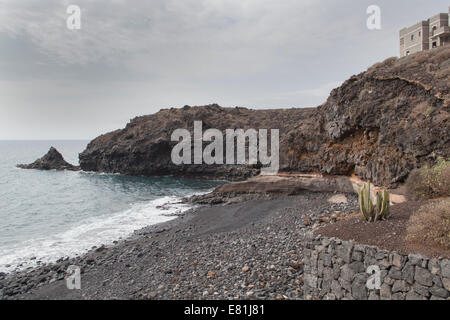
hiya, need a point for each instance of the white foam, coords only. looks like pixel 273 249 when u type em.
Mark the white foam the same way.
pixel 97 231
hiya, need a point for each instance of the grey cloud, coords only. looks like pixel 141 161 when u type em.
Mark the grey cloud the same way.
pixel 134 57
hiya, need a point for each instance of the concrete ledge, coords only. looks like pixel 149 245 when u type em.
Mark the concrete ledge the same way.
pixel 294 183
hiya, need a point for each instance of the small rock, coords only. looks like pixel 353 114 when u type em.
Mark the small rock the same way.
pixel 338 198
pixel 423 276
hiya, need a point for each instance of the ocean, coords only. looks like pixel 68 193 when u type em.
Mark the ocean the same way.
pixel 47 215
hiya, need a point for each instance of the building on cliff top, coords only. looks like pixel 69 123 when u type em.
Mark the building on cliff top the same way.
pixel 425 35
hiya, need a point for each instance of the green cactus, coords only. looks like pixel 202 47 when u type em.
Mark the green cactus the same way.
pixel 371 213
pixel 365 204
pixel 383 204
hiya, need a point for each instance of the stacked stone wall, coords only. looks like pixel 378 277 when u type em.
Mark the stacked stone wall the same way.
pixel 336 269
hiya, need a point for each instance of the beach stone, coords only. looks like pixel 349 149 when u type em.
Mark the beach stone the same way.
pixel 388 280
pixel 330 296
pixel 398 296
pixel 380 255
pixel 395 274
pixel 422 290
pixel 384 263
pixel 357 255
pixel 400 286
pixel 359 290
pixel 446 283
pixel 338 198
pixel 437 281
pixel 357 266
pixel 439 292
pixel 434 266
pixel 373 296
pixel 347 285
pixel 347 273
pixel 336 271
pixel 423 276
pixel 445 268
pixel 417 260
pixel 320 267
pixel 313 260
pixel 311 281
pixel 344 251
pixel 408 272
pixel 413 296
pixel 369 257
pixel 385 292
pixel 396 260
pixel 337 261
pixel 327 260
pixel 383 274
pixel 326 286
pixel 336 289
pixel 328 274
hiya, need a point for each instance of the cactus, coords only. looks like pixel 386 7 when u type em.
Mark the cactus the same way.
pixel 365 204
pixel 381 209
pixel 383 204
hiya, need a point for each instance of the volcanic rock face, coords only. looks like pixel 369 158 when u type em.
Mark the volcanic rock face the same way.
pixel 379 125
pixel 53 160
pixel 144 147
pixel 382 123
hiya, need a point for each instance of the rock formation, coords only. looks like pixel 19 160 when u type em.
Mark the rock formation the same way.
pixel 53 160
pixel 379 125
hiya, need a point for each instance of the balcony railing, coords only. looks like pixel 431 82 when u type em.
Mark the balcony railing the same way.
pixel 440 31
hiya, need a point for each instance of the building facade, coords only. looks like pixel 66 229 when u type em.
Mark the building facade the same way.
pixel 425 35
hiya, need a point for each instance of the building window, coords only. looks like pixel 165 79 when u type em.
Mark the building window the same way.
pixel 412 37
pixel 420 34
pixel 433 31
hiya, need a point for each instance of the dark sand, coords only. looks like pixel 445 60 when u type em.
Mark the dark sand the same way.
pixel 249 250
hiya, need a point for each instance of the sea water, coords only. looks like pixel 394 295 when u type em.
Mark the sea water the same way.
pixel 47 215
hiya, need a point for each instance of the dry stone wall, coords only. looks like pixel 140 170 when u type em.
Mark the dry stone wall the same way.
pixel 336 269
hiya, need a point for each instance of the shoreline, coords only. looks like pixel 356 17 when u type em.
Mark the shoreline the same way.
pixel 123 270
pixel 170 208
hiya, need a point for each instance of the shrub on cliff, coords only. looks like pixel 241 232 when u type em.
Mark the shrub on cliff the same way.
pixel 428 183
pixel 430 225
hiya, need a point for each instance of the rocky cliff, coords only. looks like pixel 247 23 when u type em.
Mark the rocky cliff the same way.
pixel 379 125
pixel 144 146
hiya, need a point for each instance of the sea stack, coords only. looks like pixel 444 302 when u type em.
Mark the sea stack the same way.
pixel 53 160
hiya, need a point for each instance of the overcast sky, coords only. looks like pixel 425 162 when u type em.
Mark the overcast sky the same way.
pixel 135 57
